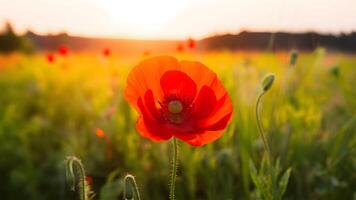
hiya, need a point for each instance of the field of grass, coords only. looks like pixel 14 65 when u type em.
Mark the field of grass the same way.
pixel 52 110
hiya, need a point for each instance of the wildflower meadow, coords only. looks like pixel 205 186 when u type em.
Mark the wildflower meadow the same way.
pixel 189 125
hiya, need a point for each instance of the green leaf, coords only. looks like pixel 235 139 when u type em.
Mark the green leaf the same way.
pixel 284 181
pixel 112 190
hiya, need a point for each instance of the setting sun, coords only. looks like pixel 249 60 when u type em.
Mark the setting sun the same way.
pixel 143 17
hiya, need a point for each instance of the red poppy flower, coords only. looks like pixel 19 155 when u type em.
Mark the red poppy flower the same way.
pixel 106 52
pixel 181 99
pixel 50 57
pixel 99 133
pixel 191 43
pixel 63 50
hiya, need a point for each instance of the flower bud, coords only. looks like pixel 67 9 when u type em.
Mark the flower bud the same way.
pixel 130 188
pixel 293 58
pixel 267 82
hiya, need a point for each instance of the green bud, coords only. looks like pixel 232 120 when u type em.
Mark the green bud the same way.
pixel 335 71
pixel 293 58
pixel 267 82
pixel 130 189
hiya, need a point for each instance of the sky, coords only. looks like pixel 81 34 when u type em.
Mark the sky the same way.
pixel 179 19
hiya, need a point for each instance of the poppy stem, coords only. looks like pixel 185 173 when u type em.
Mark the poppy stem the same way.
pixel 75 167
pixel 174 169
pixel 260 128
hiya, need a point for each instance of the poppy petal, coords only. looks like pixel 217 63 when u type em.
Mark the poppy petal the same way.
pixel 204 103
pixel 221 124
pixel 223 108
pixel 149 127
pixel 178 83
pixel 199 139
pixel 202 75
pixel 150 104
pixel 147 75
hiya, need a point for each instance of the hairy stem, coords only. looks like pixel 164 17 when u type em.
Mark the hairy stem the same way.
pixel 260 128
pixel 174 169
pixel 73 162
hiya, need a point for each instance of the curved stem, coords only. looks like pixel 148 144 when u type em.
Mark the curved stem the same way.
pixel 130 181
pixel 75 162
pixel 174 169
pixel 260 128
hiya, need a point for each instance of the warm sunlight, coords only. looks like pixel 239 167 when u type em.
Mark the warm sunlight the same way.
pixel 177 99
pixel 144 17
pixel 176 19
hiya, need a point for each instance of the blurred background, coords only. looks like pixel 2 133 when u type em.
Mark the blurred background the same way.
pixel 63 67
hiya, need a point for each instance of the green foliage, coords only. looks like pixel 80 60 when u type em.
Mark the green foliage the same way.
pixel 267 181
pixel 270 183
pixel 113 187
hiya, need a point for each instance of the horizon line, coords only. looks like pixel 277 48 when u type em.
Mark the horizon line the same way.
pixel 222 33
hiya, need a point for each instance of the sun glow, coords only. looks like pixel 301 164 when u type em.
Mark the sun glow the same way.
pixel 142 16
pixel 176 19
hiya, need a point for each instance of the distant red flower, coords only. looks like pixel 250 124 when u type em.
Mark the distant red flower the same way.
pixel 50 57
pixel 181 99
pixel 191 43
pixel 100 133
pixel 63 50
pixel 180 47
pixel 106 52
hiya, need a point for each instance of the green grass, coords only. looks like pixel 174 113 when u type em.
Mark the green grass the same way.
pixel 51 111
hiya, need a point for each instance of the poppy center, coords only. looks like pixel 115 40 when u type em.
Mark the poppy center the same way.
pixel 175 107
